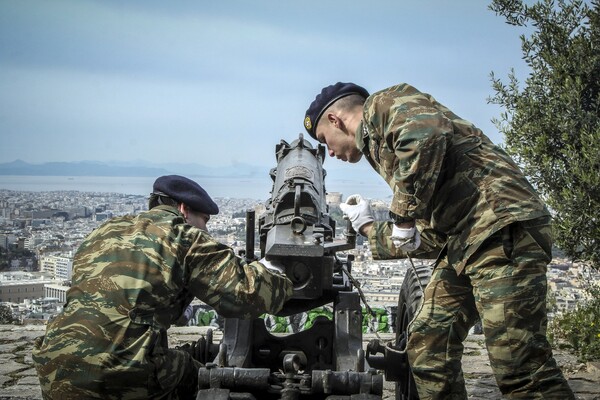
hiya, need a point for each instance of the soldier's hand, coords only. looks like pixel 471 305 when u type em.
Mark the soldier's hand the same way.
pixel 406 239
pixel 358 211
pixel 272 266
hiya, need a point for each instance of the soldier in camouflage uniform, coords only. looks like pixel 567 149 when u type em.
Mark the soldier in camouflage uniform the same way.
pixel 132 278
pixel 460 199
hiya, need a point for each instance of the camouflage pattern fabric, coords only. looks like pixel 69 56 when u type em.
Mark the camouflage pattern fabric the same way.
pixel 207 318
pixel 489 232
pixel 132 278
pixel 378 323
pixel 277 324
pixel 444 170
pixel 382 248
pixel 504 283
pixel 310 316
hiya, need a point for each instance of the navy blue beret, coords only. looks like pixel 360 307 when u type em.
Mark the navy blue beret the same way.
pixel 185 191
pixel 327 97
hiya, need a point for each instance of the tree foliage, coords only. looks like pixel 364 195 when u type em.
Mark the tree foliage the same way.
pixel 6 316
pixel 551 122
pixel 579 329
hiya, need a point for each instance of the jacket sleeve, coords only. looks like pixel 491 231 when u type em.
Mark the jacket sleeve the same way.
pixel 413 134
pixel 382 248
pixel 235 289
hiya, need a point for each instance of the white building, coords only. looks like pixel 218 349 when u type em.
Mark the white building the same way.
pixel 18 286
pixel 56 291
pixel 59 266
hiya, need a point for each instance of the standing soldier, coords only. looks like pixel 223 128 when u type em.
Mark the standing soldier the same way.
pixel 133 277
pixel 454 191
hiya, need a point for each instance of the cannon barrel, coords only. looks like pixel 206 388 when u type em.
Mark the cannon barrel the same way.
pixel 297 231
pixel 325 360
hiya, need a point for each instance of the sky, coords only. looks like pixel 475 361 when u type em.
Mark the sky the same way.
pixel 221 83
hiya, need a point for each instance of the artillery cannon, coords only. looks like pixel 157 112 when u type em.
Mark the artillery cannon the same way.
pixel 326 361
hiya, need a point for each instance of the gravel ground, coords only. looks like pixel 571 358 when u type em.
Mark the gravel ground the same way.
pixel 18 380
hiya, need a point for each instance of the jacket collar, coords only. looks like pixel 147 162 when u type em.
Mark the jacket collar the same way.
pixel 362 137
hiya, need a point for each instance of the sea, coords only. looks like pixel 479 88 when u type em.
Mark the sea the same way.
pixel 224 187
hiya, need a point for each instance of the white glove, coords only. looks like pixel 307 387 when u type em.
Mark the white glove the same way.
pixel 406 239
pixel 357 210
pixel 272 266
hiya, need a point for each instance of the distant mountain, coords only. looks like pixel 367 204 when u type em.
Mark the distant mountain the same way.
pixel 138 168
pixel 82 168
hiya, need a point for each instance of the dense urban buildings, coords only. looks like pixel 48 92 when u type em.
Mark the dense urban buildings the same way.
pixel 40 233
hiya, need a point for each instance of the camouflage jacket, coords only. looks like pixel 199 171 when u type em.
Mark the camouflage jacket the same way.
pixel 132 278
pixel 442 170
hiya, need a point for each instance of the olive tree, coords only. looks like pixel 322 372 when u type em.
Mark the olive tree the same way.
pixel 551 121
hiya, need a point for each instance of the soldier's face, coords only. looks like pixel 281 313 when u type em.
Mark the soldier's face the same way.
pixel 340 144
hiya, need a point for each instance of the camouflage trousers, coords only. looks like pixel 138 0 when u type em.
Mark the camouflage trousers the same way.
pixel 175 378
pixel 504 284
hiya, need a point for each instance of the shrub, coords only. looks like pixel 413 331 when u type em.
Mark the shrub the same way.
pixel 6 316
pixel 580 329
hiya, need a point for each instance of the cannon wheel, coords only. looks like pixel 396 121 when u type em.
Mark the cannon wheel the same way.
pixel 409 302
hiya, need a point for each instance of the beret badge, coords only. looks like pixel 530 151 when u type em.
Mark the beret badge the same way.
pixel 307 123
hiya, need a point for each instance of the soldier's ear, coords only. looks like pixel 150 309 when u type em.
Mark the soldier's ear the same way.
pixel 334 120
pixel 183 209
pixel 339 124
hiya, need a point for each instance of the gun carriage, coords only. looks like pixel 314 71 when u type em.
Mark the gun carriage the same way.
pixel 326 361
